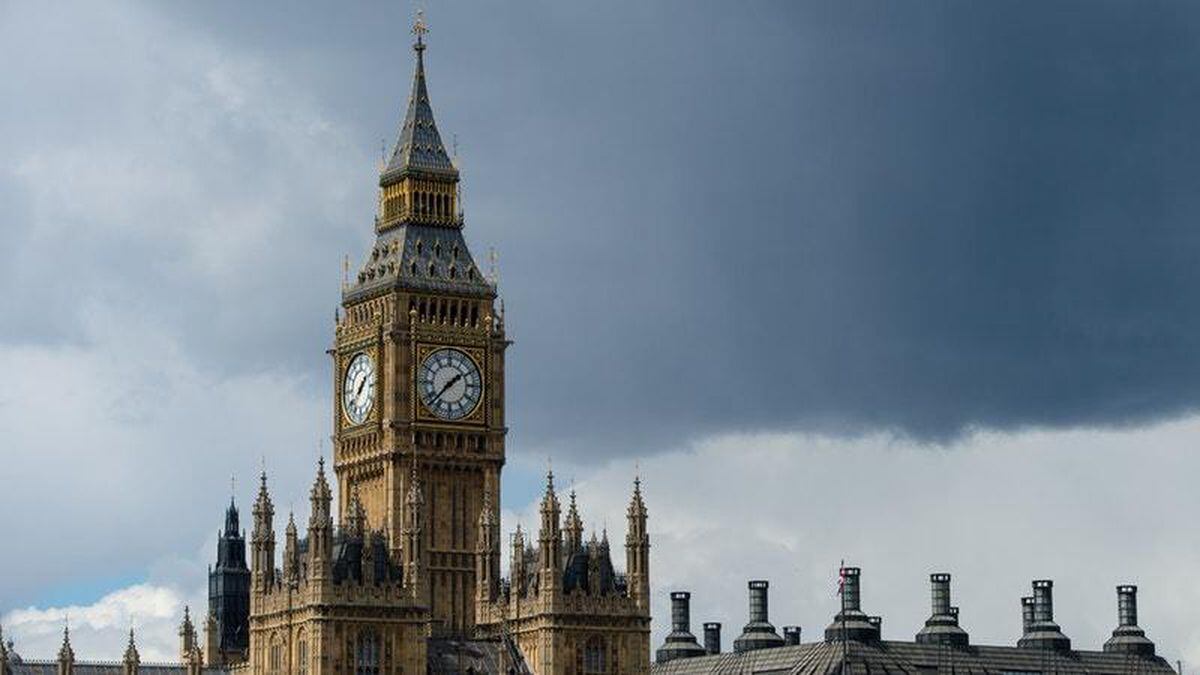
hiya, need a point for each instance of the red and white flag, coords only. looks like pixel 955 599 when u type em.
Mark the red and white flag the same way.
pixel 841 576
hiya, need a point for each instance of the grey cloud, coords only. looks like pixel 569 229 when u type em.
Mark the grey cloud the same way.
pixel 921 219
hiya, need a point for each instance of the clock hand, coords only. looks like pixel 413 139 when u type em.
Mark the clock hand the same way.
pixel 446 387
pixel 361 383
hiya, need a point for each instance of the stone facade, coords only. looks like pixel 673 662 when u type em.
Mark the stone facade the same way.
pixel 565 606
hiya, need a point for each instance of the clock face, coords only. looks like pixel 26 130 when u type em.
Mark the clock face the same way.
pixel 358 389
pixel 449 384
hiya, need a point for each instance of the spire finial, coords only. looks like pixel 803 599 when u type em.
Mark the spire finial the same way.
pixel 420 28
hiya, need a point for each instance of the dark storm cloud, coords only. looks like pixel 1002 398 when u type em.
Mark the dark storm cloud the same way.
pixel 916 217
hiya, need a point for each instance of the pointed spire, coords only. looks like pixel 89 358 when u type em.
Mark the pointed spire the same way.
pixel 132 658
pixel 65 653
pixel 419 149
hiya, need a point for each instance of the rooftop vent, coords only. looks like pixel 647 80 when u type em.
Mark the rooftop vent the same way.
pixel 680 643
pixel 758 633
pixel 712 638
pixel 791 635
pixel 851 623
pixel 1128 638
pixel 941 628
pixel 1043 633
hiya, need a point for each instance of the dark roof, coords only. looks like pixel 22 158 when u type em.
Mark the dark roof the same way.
pixel 419 149
pixel 421 258
pixel 909 657
pixel 446 656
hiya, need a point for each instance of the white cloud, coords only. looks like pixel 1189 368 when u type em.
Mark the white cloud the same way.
pixel 100 630
pixel 1089 509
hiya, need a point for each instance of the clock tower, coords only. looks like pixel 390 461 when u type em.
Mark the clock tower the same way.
pixel 419 373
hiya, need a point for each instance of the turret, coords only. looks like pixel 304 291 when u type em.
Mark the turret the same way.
pixel 550 539
pixel 189 650
pixel 227 630
pixel 414 549
pixel 487 553
pixel 637 549
pixel 132 659
pixel 320 527
pixel 66 655
pixel 262 540
pixel 572 530
pixel 291 553
pixel 516 563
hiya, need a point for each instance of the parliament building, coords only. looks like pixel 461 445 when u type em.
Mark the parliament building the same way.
pixel 402 575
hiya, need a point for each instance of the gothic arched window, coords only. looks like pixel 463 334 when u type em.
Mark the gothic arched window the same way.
pixel 594 657
pixel 301 653
pixel 366 654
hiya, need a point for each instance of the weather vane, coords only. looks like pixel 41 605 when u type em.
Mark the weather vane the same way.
pixel 420 28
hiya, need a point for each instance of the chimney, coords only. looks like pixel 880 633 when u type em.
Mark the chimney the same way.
pixel 758 601
pixel 1026 614
pixel 1128 638
pixel 712 638
pixel 758 633
pixel 680 644
pixel 876 623
pixel 791 635
pixel 681 611
pixel 851 623
pixel 1127 606
pixel 941 628
pixel 1043 633
pixel 1043 601
pixel 850 588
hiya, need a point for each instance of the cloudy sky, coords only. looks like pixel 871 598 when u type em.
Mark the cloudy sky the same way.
pixel 910 284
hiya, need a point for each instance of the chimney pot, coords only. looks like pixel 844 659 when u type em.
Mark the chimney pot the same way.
pixel 791 635
pixel 1127 614
pixel 712 637
pixel 1026 614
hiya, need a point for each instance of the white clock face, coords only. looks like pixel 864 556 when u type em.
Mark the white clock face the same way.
pixel 449 384
pixel 358 389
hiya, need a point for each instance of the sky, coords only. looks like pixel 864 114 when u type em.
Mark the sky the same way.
pixel 909 284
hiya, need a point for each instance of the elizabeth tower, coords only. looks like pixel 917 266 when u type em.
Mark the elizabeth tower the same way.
pixel 419 372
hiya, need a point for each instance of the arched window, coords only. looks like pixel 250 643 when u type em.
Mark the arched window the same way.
pixel 366 654
pixel 301 653
pixel 594 656
pixel 275 656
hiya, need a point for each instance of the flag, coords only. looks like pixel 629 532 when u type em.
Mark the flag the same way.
pixel 841 576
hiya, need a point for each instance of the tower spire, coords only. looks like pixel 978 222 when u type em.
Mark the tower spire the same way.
pixel 419 149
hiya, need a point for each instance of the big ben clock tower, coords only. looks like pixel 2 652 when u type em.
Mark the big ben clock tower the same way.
pixel 419 371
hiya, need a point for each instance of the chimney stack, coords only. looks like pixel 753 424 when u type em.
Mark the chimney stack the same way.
pixel 851 623
pixel 680 644
pixel 942 626
pixel 791 635
pixel 1026 614
pixel 1043 633
pixel 712 638
pixel 758 633
pixel 1128 638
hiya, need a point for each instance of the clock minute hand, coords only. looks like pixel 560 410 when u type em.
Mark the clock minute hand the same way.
pixel 446 387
